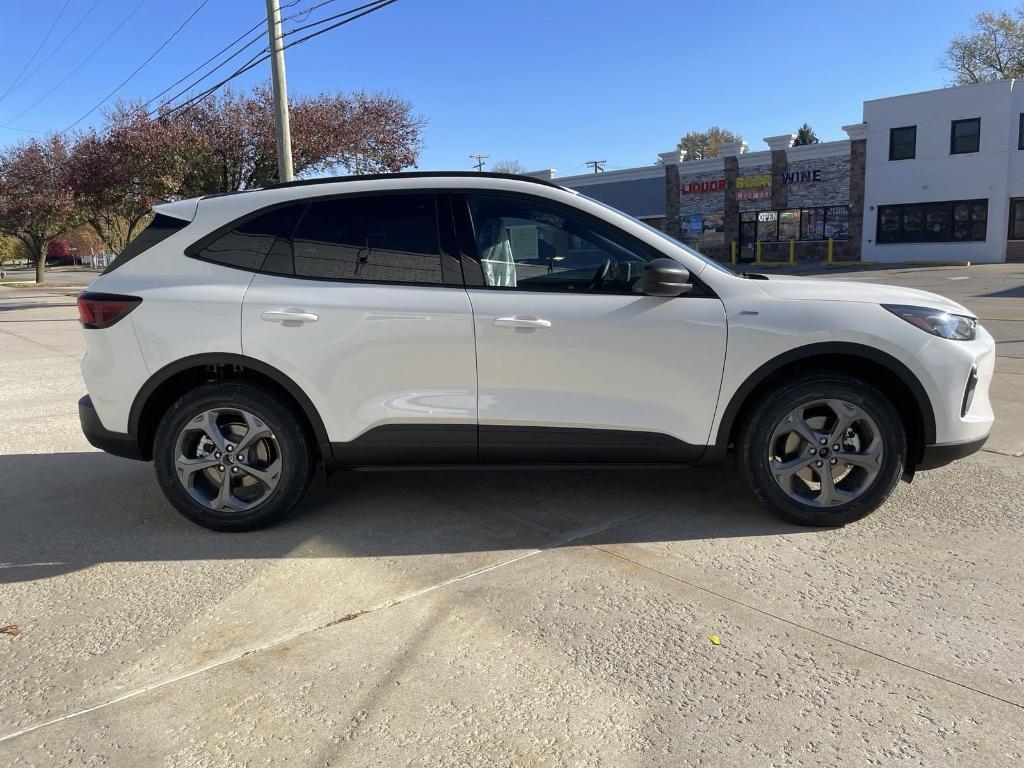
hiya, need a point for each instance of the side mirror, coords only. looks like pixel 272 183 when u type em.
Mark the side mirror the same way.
pixel 666 278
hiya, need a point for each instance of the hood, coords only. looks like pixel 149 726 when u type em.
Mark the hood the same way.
pixel 808 288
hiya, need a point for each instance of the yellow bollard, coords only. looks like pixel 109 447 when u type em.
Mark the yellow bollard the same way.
pixel 757 253
pixel 829 259
pixel 732 252
pixel 792 251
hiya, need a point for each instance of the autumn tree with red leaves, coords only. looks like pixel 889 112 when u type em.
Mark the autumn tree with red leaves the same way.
pixel 229 142
pixel 118 175
pixel 36 202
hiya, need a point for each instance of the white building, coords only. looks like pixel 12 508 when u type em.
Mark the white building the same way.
pixel 944 175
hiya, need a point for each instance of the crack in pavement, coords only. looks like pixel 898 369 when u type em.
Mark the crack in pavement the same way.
pixel 249 652
pixel 806 628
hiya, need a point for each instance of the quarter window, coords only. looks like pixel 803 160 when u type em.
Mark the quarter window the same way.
pixel 903 143
pixel 248 244
pixel 943 222
pixel 377 238
pixel 965 136
pixel 528 244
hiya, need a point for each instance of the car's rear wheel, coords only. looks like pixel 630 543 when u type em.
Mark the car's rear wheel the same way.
pixel 231 457
pixel 824 449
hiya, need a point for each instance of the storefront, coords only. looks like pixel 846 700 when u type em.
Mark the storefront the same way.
pixel 926 177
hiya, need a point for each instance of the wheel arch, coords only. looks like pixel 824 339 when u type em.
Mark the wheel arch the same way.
pixel 878 368
pixel 173 380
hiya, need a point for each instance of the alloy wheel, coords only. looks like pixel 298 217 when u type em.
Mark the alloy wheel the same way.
pixel 825 452
pixel 227 459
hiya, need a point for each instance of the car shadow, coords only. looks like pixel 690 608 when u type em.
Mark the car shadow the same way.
pixel 65 512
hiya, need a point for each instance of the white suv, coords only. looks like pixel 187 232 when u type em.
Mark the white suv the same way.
pixel 446 319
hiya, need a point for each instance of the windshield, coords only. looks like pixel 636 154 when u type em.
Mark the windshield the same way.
pixel 663 236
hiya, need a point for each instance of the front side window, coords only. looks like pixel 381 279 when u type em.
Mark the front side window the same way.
pixel 1017 219
pixel 903 143
pixel 248 244
pixel 529 244
pixel 374 238
pixel 943 222
pixel 965 136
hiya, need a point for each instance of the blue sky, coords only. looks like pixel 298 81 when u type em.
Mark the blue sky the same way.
pixel 551 83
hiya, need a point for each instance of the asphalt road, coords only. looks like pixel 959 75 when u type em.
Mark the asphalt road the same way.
pixel 503 619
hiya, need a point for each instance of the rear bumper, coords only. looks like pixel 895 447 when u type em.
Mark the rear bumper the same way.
pixel 116 443
pixel 935 456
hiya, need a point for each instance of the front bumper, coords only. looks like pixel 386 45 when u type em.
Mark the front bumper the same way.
pixel 935 456
pixel 116 443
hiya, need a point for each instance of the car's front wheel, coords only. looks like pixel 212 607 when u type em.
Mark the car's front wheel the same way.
pixel 824 449
pixel 231 457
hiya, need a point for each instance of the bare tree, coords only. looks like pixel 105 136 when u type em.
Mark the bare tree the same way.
pixel 993 51
pixel 701 144
pixel 508 166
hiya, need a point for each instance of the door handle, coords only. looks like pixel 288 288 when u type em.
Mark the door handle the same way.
pixel 521 321
pixel 289 316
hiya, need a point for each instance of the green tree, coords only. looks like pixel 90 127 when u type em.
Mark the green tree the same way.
pixel 806 135
pixel 994 50
pixel 701 144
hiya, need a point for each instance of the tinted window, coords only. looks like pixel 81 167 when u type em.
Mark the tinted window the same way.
pixel 160 228
pixel 903 143
pixel 1020 132
pixel 1017 219
pixel 532 245
pixel 248 244
pixel 965 136
pixel 950 221
pixel 379 238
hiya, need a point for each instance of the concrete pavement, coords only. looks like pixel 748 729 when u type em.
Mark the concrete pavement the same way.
pixel 503 619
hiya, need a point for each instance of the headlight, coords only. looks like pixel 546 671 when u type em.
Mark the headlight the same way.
pixel 937 322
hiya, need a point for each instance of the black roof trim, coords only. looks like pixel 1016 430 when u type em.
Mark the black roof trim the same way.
pixel 413 175
pixel 402 175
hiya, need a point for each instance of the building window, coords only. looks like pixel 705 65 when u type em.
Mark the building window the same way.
pixel 965 136
pixel 1020 133
pixel 943 222
pixel 903 143
pixel 1017 219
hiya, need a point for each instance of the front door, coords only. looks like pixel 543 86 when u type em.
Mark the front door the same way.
pixel 574 363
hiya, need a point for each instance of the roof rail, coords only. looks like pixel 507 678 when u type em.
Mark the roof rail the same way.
pixel 413 175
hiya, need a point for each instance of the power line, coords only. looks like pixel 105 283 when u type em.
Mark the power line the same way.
pixel 227 47
pixel 37 50
pixel 139 68
pixel 597 165
pixel 249 44
pixel 259 58
pixel 479 164
pixel 80 64
pixel 56 48
pixel 327 18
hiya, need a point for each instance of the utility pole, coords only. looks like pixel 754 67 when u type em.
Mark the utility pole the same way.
pixel 597 165
pixel 284 133
pixel 479 161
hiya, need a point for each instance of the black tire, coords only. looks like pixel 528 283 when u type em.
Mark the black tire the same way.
pixel 288 439
pixel 756 445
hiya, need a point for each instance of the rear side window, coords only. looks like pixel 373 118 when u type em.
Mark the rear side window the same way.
pixel 377 238
pixel 159 229
pixel 248 244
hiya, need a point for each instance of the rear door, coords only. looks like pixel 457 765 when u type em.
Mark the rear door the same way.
pixel 361 305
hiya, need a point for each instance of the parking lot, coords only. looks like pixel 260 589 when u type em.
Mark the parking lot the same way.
pixel 529 618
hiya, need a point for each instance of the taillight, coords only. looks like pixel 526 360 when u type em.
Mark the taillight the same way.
pixel 102 310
